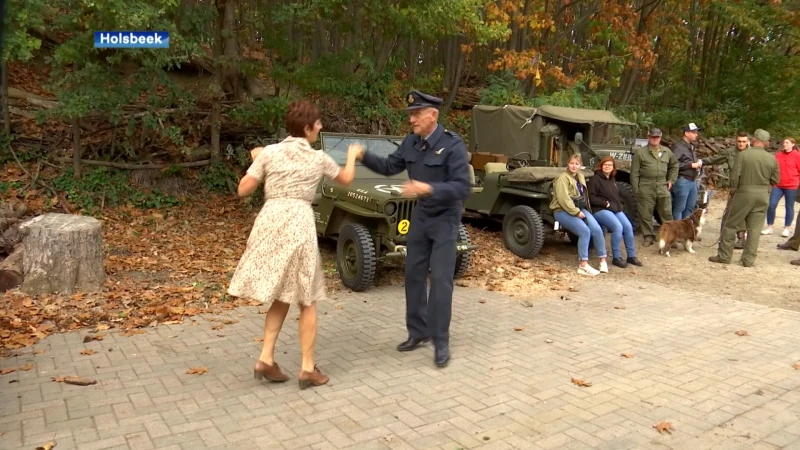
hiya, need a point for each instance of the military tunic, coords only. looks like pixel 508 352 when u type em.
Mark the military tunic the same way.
pixel 442 162
pixel 730 157
pixel 651 170
pixel 751 179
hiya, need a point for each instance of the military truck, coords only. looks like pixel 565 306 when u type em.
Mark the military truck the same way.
pixel 527 148
pixel 369 219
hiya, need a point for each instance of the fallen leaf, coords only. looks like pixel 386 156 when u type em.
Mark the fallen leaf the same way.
pixel 77 381
pixel 87 351
pixel 627 355
pixel 741 333
pixel 38 352
pixel 133 332
pixel 103 327
pixel 229 321
pixel 483 300
pixel 339 307
pixel 796 366
pixel 93 337
pixel 7 371
pixel 663 426
pixel 580 382
pixel 619 307
pixel 258 339
pixel 26 367
pixel 548 341
pixel 197 371
pixel 518 328
pixel 47 446
pixel 218 327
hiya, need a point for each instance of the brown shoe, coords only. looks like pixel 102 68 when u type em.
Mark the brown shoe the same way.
pixel 308 379
pixel 271 373
pixel 717 259
pixel 739 245
pixel 795 262
pixel 786 246
pixel 648 241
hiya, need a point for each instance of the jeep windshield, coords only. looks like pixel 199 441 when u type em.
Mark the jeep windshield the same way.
pixel 336 145
pixel 610 134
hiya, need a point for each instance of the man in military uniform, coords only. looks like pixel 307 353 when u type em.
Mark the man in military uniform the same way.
pixel 684 196
pixel 793 243
pixel 653 172
pixel 438 170
pixel 753 175
pixel 730 156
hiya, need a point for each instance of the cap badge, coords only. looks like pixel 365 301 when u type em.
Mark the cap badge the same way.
pixel 410 98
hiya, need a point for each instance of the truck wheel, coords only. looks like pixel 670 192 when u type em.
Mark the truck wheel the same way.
pixel 628 203
pixel 523 232
pixel 463 259
pixel 355 257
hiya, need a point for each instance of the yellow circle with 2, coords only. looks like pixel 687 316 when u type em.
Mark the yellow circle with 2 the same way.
pixel 402 227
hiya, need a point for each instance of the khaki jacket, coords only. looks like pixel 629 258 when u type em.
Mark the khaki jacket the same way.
pixel 564 190
pixel 653 170
pixel 755 170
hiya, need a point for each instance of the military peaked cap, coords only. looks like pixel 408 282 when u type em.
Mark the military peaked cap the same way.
pixel 417 100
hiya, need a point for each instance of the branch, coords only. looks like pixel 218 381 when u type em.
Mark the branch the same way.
pixel 125 166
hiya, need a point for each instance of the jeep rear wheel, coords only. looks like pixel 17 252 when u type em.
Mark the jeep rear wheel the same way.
pixel 463 259
pixel 628 203
pixel 355 257
pixel 523 232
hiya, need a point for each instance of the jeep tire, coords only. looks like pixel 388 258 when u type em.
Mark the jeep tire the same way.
pixel 355 257
pixel 629 206
pixel 523 232
pixel 463 259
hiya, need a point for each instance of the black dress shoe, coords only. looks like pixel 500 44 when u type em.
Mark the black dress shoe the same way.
pixel 411 344
pixel 633 260
pixel 442 355
pixel 619 263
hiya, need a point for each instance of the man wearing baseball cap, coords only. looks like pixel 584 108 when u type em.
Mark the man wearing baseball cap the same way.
pixel 684 194
pixel 653 172
pixel 753 175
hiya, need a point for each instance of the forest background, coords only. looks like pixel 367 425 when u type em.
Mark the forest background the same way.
pixel 194 109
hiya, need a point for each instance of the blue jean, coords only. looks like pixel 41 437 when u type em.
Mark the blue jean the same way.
pixel 620 228
pixel 684 198
pixel 789 195
pixel 585 230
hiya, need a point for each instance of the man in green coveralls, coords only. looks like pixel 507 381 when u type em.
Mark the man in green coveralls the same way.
pixel 730 156
pixel 755 172
pixel 793 243
pixel 653 172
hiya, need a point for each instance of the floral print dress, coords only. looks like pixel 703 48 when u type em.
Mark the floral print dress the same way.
pixel 282 260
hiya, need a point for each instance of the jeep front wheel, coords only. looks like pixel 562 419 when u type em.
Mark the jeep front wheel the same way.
pixel 355 257
pixel 628 203
pixel 523 232
pixel 463 259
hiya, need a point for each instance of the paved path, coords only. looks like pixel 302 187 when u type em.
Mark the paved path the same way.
pixel 503 388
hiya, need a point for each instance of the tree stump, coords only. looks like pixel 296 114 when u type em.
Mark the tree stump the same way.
pixel 63 253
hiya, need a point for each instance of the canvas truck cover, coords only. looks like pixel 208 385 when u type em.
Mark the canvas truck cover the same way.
pixel 498 127
pixel 495 128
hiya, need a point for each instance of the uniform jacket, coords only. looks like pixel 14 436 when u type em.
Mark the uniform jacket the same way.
pixel 789 164
pixel 648 168
pixel 604 193
pixel 565 189
pixel 757 169
pixel 442 163
pixel 727 156
pixel 684 153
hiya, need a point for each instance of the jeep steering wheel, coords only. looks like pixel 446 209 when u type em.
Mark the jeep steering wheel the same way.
pixel 519 161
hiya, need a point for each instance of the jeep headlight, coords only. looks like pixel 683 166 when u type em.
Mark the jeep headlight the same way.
pixel 390 208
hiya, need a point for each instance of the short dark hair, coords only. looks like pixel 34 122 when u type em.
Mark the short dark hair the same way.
pixel 299 114
pixel 742 134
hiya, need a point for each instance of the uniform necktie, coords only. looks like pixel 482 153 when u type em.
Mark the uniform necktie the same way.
pixel 423 146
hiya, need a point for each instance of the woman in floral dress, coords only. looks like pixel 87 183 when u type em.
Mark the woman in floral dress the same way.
pixel 281 264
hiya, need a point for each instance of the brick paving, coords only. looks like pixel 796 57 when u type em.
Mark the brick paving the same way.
pixel 503 388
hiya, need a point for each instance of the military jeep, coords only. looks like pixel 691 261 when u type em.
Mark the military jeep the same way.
pixel 516 153
pixel 369 219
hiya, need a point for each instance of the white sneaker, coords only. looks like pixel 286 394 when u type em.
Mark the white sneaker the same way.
pixel 766 232
pixel 785 232
pixel 604 267
pixel 588 270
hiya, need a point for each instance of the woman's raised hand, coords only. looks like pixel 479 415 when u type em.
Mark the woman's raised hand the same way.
pixel 356 151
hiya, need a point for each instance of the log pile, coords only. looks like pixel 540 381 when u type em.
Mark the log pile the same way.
pixel 11 250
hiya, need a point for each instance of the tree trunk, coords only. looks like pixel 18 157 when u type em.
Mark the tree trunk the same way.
pixel 63 254
pixel 454 85
pixel 4 99
pixel 76 148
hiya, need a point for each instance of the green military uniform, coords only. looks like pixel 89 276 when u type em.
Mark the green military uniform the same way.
pixel 730 157
pixel 651 169
pixel 751 179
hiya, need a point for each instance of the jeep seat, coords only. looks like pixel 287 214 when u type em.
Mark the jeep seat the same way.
pixel 472 181
pixel 495 167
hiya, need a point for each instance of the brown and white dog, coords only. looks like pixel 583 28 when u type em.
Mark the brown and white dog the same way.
pixel 684 231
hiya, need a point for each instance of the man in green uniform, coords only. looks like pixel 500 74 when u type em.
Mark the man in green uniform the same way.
pixel 793 243
pixel 730 156
pixel 653 172
pixel 753 175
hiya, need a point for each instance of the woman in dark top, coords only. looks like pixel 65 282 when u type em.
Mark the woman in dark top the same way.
pixel 607 209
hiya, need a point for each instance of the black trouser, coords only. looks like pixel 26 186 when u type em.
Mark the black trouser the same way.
pixel 431 243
